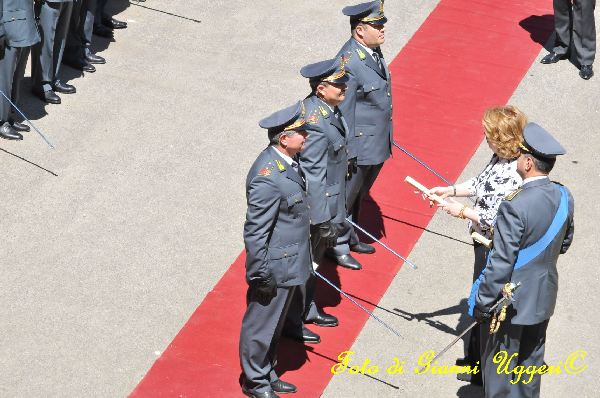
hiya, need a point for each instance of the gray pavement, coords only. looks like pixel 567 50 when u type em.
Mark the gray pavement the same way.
pixel 104 263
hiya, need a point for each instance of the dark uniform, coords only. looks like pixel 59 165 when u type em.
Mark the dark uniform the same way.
pixel 278 258
pixel 78 54
pixel 575 30
pixel 324 163
pixel 20 34
pixel 368 113
pixel 46 56
pixel 534 225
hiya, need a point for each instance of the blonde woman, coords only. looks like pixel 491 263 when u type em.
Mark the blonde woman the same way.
pixel 503 128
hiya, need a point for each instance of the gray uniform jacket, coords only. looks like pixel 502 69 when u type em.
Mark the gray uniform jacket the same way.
pixel 324 162
pixel 277 228
pixel 367 107
pixel 1 23
pixel 521 222
pixel 19 23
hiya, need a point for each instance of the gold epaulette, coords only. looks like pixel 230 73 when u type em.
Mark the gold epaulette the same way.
pixel 512 195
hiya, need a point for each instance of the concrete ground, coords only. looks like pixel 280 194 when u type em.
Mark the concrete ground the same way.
pixel 112 239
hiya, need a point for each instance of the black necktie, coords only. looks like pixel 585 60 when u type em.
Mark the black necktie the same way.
pixel 377 59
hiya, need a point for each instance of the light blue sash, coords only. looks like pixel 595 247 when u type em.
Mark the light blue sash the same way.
pixel 527 254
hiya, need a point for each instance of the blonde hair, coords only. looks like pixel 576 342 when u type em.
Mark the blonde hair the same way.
pixel 504 129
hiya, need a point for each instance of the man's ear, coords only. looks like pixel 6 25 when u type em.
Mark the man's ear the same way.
pixel 360 30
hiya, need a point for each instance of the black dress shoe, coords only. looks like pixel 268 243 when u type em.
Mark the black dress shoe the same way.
pixel 363 248
pixel 307 336
pixel 283 387
pixel 252 394
pixel 347 261
pixel 48 96
pixel 586 72
pixel 81 65
pixel 324 320
pixel 8 133
pixel 103 31
pixel 552 58
pixel 95 59
pixel 17 126
pixel 63 88
pixel 113 23
pixel 475 379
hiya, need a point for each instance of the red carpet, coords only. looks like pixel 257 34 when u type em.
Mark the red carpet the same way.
pixel 467 56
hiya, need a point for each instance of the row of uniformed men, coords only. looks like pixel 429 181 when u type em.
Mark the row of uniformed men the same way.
pixel 324 155
pixel 49 29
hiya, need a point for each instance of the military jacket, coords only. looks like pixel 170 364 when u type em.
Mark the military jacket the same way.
pixel 324 162
pixel 277 227
pixel 19 24
pixel 367 107
pixel 522 220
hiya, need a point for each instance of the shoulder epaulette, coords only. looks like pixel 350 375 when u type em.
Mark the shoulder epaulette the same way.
pixel 513 194
pixel 266 171
pixel 323 111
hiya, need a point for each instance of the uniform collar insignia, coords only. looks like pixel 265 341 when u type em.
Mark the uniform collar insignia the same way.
pixel 280 165
pixel 360 53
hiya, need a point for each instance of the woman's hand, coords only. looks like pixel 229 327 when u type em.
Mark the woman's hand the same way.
pixel 442 192
pixel 452 207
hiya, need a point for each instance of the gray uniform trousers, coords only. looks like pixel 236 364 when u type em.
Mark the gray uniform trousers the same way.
pixel 12 69
pixel 529 342
pixel 20 34
pixel 46 56
pixel 261 330
pixel 356 189
pixel 574 22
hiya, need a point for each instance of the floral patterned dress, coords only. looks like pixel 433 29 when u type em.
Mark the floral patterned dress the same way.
pixel 498 179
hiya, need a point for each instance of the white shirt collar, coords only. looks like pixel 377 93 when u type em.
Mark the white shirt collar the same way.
pixel 525 181
pixel 329 106
pixel 285 157
pixel 369 50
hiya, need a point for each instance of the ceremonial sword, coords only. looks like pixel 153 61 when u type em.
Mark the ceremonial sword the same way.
pixel 416 159
pixel 501 302
pixel 25 117
pixel 388 327
pixel 382 244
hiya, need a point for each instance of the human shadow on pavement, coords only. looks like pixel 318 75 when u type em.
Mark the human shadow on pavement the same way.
pixel 33 107
pixel 427 317
pixel 540 29
pixel 293 355
pixel 470 391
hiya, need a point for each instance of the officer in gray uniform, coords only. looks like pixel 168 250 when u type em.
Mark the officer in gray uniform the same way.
pixel 368 113
pixel 278 258
pixel 323 163
pixel 575 29
pixel 46 56
pixel 20 34
pixel 534 225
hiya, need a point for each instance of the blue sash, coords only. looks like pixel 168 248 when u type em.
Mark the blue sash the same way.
pixel 527 254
